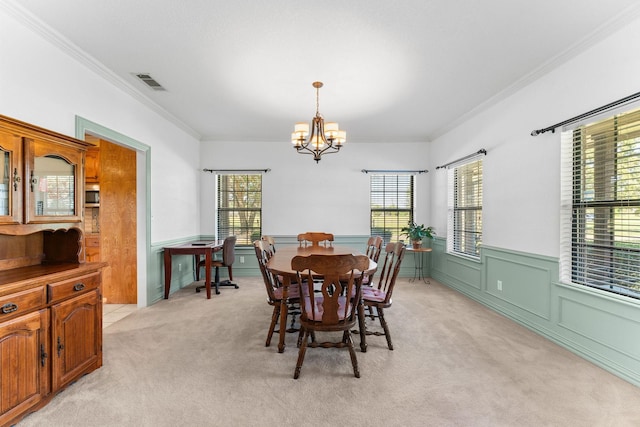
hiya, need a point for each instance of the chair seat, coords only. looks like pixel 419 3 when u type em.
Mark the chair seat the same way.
pixel 316 316
pixel 214 263
pixel 373 294
pixel 294 292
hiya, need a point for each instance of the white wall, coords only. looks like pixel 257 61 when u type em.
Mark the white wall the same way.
pixel 43 85
pixel 521 173
pixel 300 195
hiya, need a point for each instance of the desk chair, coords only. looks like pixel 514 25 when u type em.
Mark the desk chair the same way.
pixel 315 238
pixel 332 309
pixel 228 257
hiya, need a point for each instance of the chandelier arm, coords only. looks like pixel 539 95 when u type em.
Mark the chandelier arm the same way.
pixel 329 146
pixel 305 151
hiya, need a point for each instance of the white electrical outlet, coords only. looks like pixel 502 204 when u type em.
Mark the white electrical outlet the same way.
pixel 241 260
pixel 499 284
pixel 180 267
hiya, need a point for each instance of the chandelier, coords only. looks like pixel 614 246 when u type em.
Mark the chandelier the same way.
pixel 325 138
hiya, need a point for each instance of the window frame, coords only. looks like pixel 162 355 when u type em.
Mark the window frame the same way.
pixel 378 190
pixel 225 209
pixel 600 166
pixel 464 204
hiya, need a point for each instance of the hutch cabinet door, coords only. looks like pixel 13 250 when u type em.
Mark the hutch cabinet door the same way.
pixel 92 165
pixel 11 184
pixel 24 354
pixel 76 337
pixel 54 188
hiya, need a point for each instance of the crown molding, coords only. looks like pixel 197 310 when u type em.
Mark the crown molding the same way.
pixel 613 25
pixel 71 49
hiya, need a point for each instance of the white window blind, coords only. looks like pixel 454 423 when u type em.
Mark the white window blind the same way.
pixel 600 235
pixel 240 207
pixel 55 194
pixel 464 225
pixel 391 205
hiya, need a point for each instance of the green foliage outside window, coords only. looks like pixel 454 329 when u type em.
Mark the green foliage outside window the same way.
pixel 240 207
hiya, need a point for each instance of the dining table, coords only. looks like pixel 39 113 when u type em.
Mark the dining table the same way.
pixel 280 264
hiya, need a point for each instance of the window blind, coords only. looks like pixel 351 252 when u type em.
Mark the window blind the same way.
pixel 600 235
pixel 464 230
pixel 240 207
pixel 392 202
pixel 58 194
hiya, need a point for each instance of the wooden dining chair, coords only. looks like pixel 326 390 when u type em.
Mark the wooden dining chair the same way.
pixel 315 238
pixel 372 250
pixel 331 309
pixel 275 291
pixel 271 242
pixel 227 260
pixel 377 297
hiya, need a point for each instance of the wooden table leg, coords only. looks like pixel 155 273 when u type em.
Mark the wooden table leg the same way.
pixel 167 273
pixel 207 273
pixel 362 327
pixel 196 258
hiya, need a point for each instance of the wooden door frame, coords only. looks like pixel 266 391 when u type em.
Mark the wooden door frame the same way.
pixel 143 195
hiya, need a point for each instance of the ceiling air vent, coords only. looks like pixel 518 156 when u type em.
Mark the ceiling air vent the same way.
pixel 150 81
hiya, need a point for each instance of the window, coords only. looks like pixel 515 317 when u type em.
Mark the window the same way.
pixel 240 207
pixel 464 228
pixel 601 205
pixel 391 205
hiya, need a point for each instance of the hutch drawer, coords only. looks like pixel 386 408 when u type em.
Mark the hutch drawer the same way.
pixel 59 291
pixel 22 302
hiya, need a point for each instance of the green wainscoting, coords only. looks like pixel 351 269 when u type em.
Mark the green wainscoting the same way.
pixel 599 326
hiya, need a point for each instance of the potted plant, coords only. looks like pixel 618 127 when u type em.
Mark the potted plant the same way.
pixel 416 233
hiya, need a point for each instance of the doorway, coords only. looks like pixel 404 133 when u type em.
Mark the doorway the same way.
pixel 142 232
pixel 110 224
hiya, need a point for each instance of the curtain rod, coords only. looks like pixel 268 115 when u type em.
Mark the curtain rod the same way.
pixel 235 170
pixel 587 114
pixel 415 172
pixel 477 153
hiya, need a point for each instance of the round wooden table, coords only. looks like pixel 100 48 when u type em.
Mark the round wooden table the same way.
pixel 280 263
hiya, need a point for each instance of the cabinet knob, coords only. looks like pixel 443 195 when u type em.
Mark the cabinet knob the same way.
pixel 33 181
pixel 43 355
pixel 16 179
pixel 78 286
pixel 59 347
pixel 9 307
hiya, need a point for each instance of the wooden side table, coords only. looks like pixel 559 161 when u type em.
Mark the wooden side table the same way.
pixel 418 259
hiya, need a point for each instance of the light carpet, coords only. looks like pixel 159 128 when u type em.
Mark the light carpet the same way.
pixel 189 361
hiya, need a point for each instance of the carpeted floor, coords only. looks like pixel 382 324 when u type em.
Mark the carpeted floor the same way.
pixel 189 361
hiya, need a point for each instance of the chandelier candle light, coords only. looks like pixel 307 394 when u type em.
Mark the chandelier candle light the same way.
pixel 324 139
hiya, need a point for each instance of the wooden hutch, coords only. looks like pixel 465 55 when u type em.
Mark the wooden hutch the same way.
pixel 50 298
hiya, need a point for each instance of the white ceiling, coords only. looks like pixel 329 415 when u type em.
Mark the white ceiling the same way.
pixel 393 70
